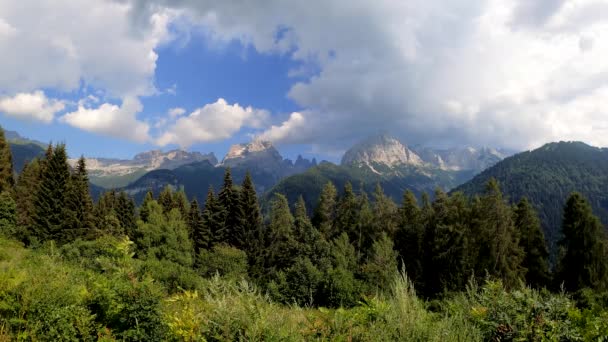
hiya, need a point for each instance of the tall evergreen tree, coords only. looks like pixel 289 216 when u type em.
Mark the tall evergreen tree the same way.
pixel 532 241
pixel 51 207
pixel 280 235
pixel 180 201
pixel 381 267
pixel 81 222
pixel 229 200
pixel 6 164
pixel 166 199
pixel 347 214
pixel 311 243
pixel 409 236
pixel 325 212
pixel 125 213
pixel 248 236
pixel 198 230
pixel 365 232
pixel 385 214
pixel 584 258
pixel 495 241
pixel 26 189
pixel 8 215
pixel 144 212
pixel 213 218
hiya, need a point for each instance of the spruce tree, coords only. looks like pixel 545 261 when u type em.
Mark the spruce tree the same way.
pixel 381 267
pixel 311 243
pixel 213 218
pixel 26 189
pixel 50 206
pixel 584 259
pixel 229 201
pixel 325 212
pixel 280 235
pixel 144 212
pixel 409 237
pixel 495 240
pixel 165 199
pixel 365 230
pixel 385 214
pixel 198 230
pixel 125 212
pixel 6 164
pixel 248 235
pixel 347 214
pixel 180 201
pixel 81 222
pixel 532 241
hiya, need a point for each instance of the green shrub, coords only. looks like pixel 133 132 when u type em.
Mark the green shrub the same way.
pixel 224 260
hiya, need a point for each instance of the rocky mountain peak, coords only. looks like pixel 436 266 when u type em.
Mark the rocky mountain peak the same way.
pixel 257 150
pixel 381 149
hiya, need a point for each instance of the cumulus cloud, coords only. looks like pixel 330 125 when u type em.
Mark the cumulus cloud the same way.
pixel 112 120
pixel 31 106
pixel 213 122
pixel 175 112
pixel 491 72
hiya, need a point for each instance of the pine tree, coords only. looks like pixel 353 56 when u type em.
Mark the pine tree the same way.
pixel 325 212
pixel 385 214
pixel 347 214
pixel 26 189
pixel 213 218
pixel 165 199
pixel 198 230
pixel 280 236
pixel 495 240
pixel 409 236
pixel 311 243
pixel 6 164
pixel 125 213
pixel 144 213
pixel 228 198
pixel 532 241
pixel 365 231
pixel 81 222
pixel 248 236
pixel 180 201
pixel 51 211
pixel 381 267
pixel 584 257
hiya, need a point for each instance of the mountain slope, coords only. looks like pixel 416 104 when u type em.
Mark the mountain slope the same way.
pixel 547 176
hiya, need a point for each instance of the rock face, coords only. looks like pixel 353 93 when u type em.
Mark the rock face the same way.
pixel 146 161
pixel 258 151
pixel 456 159
pixel 382 149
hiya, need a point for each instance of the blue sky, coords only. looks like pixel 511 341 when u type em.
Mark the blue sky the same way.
pixel 117 77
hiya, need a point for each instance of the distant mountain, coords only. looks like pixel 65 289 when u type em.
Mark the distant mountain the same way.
pixel 547 175
pixel 260 158
pixel 115 173
pixel 384 160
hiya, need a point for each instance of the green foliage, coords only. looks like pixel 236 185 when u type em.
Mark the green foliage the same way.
pixel 583 249
pixel 223 260
pixel 231 211
pixel 381 267
pixel 6 165
pixel 197 229
pixel 79 220
pixel 532 241
pixel 8 215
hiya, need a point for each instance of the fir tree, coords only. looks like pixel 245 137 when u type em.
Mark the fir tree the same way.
pixel 213 218
pixel 180 201
pixel 280 235
pixel 228 198
pixel 51 208
pixel 26 189
pixel 409 236
pixel 311 243
pixel 347 214
pixel 325 212
pixel 385 214
pixel 584 258
pixel 495 240
pixel 198 230
pixel 6 164
pixel 249 233
pixel 79 204
pixel 125 212
pixel 143 209
pixel 532 241
pixel 165 199
pixel 381 266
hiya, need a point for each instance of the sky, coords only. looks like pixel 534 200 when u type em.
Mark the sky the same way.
pixel 116 77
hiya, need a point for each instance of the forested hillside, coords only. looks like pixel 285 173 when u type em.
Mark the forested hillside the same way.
pixel 547 175
pixel 360 268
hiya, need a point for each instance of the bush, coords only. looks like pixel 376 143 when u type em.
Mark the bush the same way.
pixel 223 260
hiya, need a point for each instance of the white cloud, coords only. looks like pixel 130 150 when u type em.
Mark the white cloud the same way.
pixel 175 112
pixel 514 68
pixel 284 131
pixel 112 120
pixel 31 106
pixel 213 122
